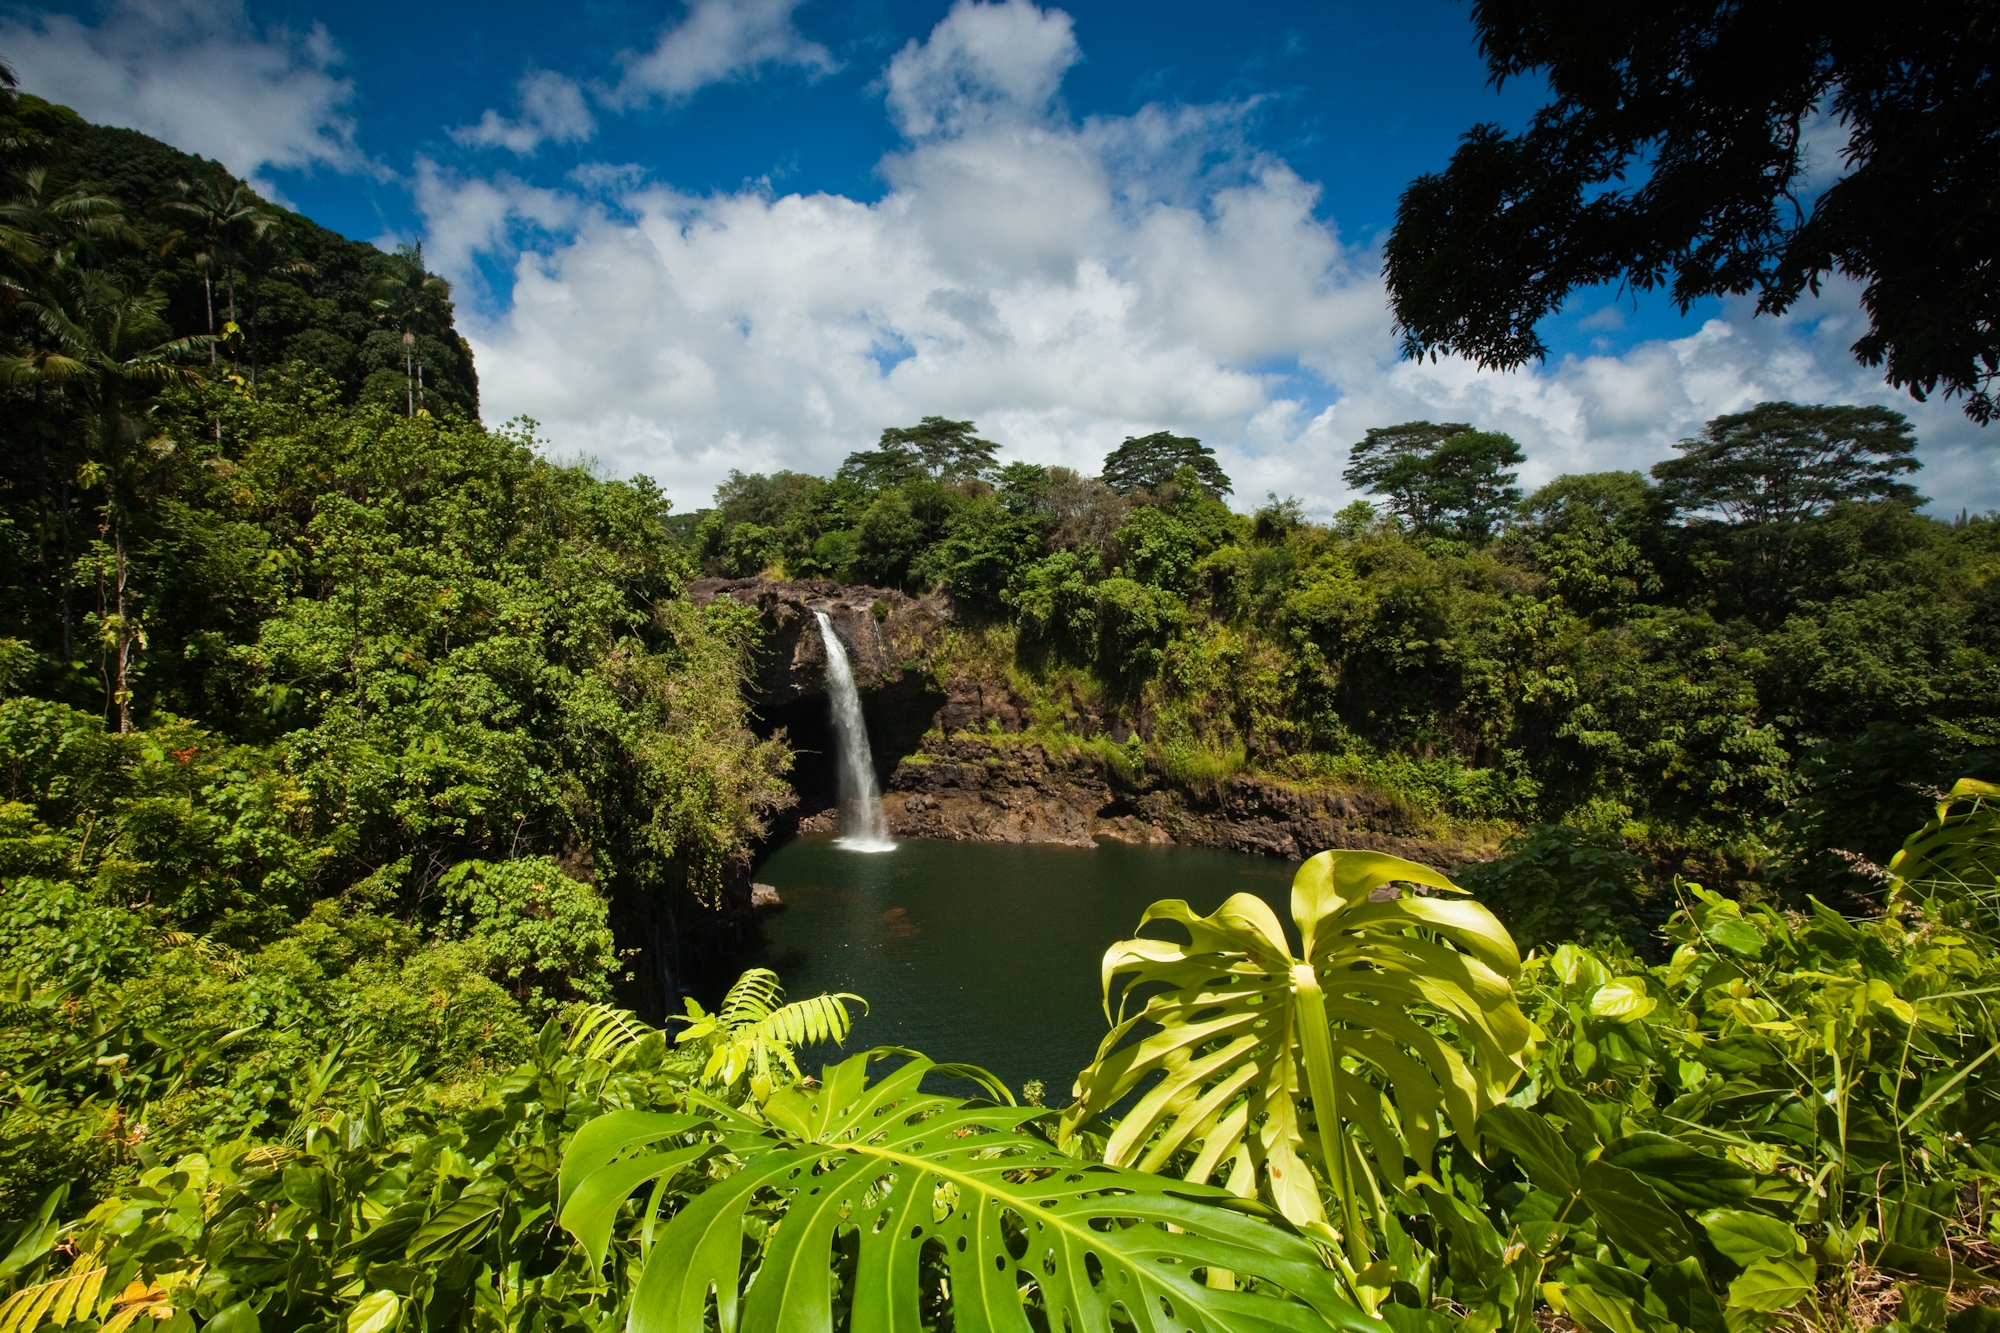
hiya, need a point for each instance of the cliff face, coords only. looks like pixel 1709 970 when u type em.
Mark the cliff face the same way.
pixel 888 634
pixel 977 779
pixel 955 763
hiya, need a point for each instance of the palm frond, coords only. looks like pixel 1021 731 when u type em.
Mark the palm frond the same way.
pixel 808 1022
pixel 756 994
pixel 600 1032
pixel 59 1300
pixel 1252 1062
pixel 934 1198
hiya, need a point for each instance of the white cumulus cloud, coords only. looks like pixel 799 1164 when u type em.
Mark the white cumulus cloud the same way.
pixel 983 59
pixel 1063 283
pixel 716 42
pixel 552 110
pixel 201 76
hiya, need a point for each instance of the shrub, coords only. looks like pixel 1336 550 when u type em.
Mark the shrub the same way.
pixel 537 931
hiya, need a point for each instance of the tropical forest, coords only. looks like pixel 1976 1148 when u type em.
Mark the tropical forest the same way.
pixel 424 855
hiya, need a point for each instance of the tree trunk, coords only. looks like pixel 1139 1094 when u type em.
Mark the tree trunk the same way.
pixel 125 635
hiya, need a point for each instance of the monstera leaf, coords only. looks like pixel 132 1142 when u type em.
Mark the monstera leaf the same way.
pixel 1395 1018
pixel 898 1205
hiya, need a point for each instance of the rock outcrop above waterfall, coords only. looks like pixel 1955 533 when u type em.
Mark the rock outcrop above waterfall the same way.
pixel 888 633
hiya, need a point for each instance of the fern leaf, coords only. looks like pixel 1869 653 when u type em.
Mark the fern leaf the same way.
pixel 809 1022
pixel 756 993
pixel 600 1032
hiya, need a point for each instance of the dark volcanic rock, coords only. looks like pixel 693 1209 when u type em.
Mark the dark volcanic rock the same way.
pixel 887 632
pixel 998 788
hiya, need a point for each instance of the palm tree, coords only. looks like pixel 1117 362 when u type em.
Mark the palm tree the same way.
pixel 111 347
pixel 41 236
pixel 414 300
pixel 39 231
pixel 224 220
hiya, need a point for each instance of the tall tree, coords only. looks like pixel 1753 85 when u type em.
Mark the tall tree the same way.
pixel 111 347
pixel 1674 150
pixel 1781 462
pixel 1154 460
pixel 222 221
pixel 1752 480
pixel 936 448
pixel 1439 478
pixel 417 303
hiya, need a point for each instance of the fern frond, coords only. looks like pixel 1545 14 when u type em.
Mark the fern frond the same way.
pixel 809 1022
pixel 752 999
pixel 600 1032
pixel 61 1299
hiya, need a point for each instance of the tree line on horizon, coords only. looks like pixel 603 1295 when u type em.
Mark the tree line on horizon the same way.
pixel 1707 662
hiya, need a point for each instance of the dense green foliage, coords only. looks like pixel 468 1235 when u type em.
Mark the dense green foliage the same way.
pixel 1706 667
pixel 1677 149
pixel 359 763
pixel 1791 1112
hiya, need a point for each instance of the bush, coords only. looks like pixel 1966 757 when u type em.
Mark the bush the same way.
pixel 538 932
pixel 1553 884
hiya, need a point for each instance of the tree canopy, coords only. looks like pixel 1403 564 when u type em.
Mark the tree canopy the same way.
pixel 1678 148
pixel 1781 462
pixel 1152 461
pixel 1438 478
pixel 934 448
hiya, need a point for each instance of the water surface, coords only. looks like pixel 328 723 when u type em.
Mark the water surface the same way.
pixel 986 953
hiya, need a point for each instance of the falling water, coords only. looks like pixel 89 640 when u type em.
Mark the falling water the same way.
pixel 862 825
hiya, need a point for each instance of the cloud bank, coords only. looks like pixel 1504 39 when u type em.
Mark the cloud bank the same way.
pixel 1065 283
pixel 200 76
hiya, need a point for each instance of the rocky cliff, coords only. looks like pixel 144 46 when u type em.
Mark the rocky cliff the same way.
pixel 976 777
pixel 958 757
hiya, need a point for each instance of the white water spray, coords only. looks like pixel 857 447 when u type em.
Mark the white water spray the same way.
pixel 862 826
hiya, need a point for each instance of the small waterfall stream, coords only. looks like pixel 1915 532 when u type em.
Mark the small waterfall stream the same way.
pixel 863 829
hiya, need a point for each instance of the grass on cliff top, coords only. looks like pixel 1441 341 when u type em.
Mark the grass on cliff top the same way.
pixel 1193 727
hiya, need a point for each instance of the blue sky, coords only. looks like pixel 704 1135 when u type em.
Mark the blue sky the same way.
pixel 752 233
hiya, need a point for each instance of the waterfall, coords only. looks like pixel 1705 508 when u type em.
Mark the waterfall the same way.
pixel 862 826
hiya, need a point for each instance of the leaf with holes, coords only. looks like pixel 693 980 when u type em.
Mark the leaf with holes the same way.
pixel 1397 1012
pixel 899 1200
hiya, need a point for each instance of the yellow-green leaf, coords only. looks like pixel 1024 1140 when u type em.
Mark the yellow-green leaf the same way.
pixel 374 1313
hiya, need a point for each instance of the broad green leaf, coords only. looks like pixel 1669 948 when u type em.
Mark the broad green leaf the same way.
pixel 1535 1144
pixel 1603 1311
pixel 924 1183
pixel 374 1313
pixel 593 1205
pixel 1683 1290
pixel 238 1318
pixel 1632 1214
pixel 604 1139
pixel 1681 1172
pixel 1923 1306
pixel 1736 935
pixel 1243 1044
pixel 1773 1284
pixel 457 1229
pixel 310 1187
pixel 1747 1237
pixel 1624 999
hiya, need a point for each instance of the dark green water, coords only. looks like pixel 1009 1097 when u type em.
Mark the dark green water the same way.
pixel 983 952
